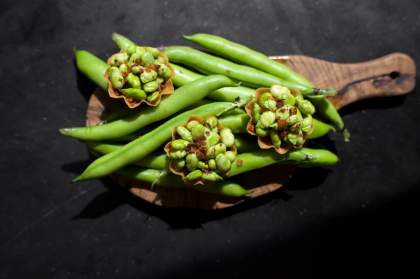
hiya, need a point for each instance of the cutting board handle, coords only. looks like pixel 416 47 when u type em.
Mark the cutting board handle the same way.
pixel 391 75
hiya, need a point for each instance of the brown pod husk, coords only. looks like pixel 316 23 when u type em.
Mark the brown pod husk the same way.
pixel 166 88
pixel 263 142
pixel 184 172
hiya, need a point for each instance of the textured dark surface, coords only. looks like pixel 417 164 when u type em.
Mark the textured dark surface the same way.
pixel 358 220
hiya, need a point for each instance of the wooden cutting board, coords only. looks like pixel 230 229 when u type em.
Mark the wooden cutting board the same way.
pixel 390 75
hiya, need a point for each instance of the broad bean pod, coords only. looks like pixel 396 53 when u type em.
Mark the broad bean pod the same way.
pixel 165 179
pixel 255 78
pixel 258 159
pixel 226 94
pixel 244 55
pixel 182 97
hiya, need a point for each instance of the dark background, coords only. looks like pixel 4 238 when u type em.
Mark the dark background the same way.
pixel 357 220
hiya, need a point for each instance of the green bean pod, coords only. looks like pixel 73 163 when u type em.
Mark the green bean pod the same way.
pixel 226 94
pixel 247 56
pixel 153 161
pixel 258 159
pixel 327 110
pixel 165 179
pixel 320 129
pixel 92 67
pixel 181 98
pixel 143 146
pixel 256 78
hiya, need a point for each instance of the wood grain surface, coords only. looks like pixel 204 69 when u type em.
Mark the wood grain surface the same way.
pixel 391 75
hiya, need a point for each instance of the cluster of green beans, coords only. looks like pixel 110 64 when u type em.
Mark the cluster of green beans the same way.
pixel 258 60
pixel 203 142
pixel 139 73
pixel 202 150
pixel 278 115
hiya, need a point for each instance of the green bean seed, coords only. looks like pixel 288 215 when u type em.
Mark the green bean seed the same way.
pixel 184 133
pixel 140 50
pixel 153 97
pixel 123 69
pixel 197 131
pixel 222 163
pixel 212 176
pixel 133 80
pixel 137 69
pixel 134 60
pixel 148 76
pixel 194 175
pixel 260 131
pixel 154 51
pixel 213 138
pixel 219 148
pixel 118 58
pixel 179 144
pixel 230 155
pixel 191 161
pixel 211 152
pixel 117 79
pixel 202 165
pixel 256 112
pixel 212 164
pixel 292 138
pixel 179 164
pixel 275 138
pixel 212 121
pixel 267 101
pixel 305 106
pixel 151 86
pixel 267 119
pixel 178 154
pixel 306 124
pixel 147 58
pixel 192 124
pixel 135 93
pixel 227 137
pixel 164 71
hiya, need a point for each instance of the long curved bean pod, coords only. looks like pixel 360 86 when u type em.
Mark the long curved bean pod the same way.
pixel 256 78
pixel 143 146
pixel 181 98
pixel 226 94
pixel 165 179
pixel 247 56
pixel 320 129
pixel 258 159
pixel 92 67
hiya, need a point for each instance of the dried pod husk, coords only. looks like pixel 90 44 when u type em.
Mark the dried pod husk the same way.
pixel 198 147
pixel 165 88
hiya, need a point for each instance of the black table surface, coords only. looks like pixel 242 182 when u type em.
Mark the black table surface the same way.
pixel 355 219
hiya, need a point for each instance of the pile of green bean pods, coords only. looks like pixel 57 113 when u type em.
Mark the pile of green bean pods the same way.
pixel 139 74
pixel 240 112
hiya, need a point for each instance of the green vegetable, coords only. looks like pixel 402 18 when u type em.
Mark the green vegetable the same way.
pixel 165 179
pixel 178 100
pixel 247 56
pixel 211 64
